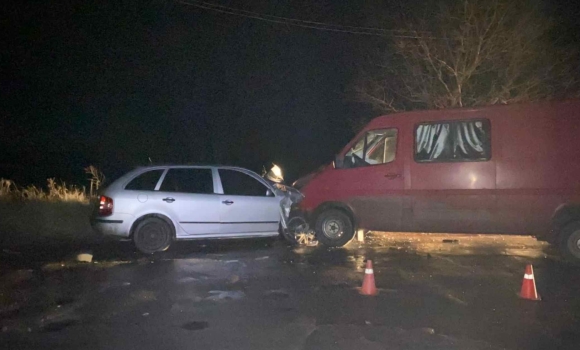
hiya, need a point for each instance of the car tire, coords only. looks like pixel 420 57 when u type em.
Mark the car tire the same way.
pixel 293 222
pixel 570 242
pixel 153 235
pixel 334 228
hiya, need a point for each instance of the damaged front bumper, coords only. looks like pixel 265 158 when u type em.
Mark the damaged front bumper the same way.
pixel 295 228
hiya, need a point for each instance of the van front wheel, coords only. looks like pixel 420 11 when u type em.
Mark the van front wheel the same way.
pixel 334 228
pixel 570 242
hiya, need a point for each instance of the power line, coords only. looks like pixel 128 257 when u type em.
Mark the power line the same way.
pixel 298 22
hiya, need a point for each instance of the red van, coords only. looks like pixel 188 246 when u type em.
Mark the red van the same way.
pixel 500 169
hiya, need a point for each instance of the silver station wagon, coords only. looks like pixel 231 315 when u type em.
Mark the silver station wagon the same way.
pixel 155 205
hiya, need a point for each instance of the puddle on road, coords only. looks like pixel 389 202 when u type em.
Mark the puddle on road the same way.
pixel 195 325
pixel 218 295
pixel 65 301
pixel 58 326
pixel 338 285
pixel 277 294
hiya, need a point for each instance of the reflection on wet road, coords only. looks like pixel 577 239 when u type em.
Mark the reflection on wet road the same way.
pixel 442 292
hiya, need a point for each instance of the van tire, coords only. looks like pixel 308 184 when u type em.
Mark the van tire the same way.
pixel 152 235
pixel 570 242
pixel 334 228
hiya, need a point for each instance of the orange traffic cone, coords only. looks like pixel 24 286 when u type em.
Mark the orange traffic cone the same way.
pixel 529 285
pixel 368 287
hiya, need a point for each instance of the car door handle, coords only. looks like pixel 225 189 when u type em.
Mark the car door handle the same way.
pixel 169 200
pixel 392 176
pixel 228 202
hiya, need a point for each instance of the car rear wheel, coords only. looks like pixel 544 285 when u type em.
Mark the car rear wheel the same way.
pixel 334 228
pixel 570 242
pixel 152 235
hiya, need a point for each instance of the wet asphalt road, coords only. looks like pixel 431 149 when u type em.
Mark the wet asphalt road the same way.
pixel 268 295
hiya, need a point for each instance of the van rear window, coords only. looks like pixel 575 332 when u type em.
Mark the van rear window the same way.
pixel 453 141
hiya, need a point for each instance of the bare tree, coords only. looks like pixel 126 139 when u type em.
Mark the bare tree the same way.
pixel 96 180
pixel 471 53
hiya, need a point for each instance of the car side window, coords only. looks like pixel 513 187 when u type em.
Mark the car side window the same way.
pixel 146 181
pixel 453 141
pixel 236 183
pixel 375 147
pixel 188 180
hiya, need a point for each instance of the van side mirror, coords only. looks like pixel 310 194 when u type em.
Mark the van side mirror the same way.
pixel 338 162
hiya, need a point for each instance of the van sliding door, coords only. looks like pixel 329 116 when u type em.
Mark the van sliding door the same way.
pixel 453 177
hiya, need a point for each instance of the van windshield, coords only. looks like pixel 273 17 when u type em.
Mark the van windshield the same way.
pixel 375 147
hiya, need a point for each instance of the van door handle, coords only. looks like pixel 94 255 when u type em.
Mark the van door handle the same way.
pixel 228 202
pixel 392 176
pixel 169 200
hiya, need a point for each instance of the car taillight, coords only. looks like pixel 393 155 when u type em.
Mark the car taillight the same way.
pixel 105 206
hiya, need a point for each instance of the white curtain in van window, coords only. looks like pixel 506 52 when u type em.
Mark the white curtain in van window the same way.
pixel 431 140
pixel 468 141
pixel 463 140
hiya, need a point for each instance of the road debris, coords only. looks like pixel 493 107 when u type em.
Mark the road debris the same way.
pixel 428 330
pixel 85 257
pixel 225 295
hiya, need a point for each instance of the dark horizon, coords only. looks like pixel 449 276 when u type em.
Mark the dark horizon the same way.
pixel 114 84
pixel 174 85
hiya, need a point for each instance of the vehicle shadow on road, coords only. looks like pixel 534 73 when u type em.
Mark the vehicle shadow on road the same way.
pixel 35 255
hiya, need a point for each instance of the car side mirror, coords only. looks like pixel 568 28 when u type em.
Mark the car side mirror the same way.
pixel 338 162
pixel 269 193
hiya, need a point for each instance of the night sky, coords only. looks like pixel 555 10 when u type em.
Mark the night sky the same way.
pixel 115 83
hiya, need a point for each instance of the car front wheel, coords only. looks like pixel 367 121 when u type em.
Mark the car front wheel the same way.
pixel 334 228
pixel 570 242
pixel 152 235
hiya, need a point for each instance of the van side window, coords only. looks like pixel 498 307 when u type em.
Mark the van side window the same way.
pixel 375 147
pixel 453 141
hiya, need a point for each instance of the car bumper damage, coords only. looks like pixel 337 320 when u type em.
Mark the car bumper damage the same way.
pixel 295 228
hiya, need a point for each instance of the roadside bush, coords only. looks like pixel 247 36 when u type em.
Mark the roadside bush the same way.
pixel 7 188
pixel 31 214
pixel 55 192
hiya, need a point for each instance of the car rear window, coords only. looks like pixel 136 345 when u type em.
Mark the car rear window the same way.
pixel 146 181
pixel 188 180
